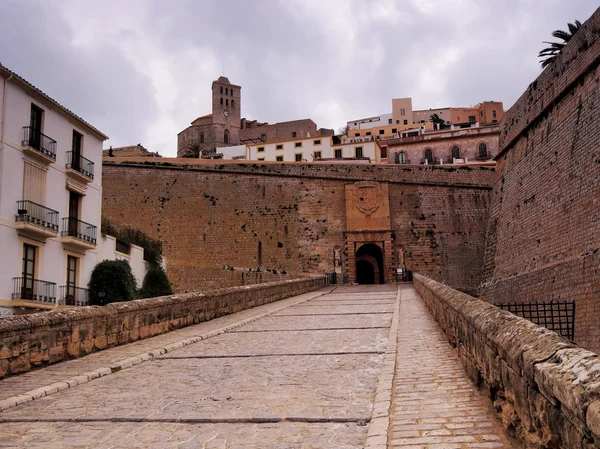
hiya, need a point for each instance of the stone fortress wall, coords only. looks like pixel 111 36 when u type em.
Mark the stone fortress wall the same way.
pixel 291 218
pixel 543 239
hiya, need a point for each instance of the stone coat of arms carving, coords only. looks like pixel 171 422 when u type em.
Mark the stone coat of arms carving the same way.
pixel 366 197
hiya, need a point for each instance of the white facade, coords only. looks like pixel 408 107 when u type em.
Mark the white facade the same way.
pixel 50 199
pixel 312 148
pixel 233 152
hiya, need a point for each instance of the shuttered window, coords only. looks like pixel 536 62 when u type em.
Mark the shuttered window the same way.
pixel 34 183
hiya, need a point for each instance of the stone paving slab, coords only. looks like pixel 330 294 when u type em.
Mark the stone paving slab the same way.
pixel 435 406
pixel 103 435
pixel 317 322
pixel 31 380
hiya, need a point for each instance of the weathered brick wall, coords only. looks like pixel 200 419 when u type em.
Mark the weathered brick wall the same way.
pixel 216 214
pixel 545 389
pixel 40 339
pixel 544 230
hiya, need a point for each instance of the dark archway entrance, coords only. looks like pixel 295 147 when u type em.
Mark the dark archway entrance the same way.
pixel 369 264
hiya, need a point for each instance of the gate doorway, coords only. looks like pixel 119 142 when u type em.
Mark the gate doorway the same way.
pixel 369 264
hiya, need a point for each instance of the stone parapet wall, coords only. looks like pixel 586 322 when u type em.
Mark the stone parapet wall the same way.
pixel 546 389
pixel 28 341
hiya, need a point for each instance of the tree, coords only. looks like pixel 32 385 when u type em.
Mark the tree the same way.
pixel 343 131
pixel 436 120
pixel 155 283
pixel 112 281
pixel 550 53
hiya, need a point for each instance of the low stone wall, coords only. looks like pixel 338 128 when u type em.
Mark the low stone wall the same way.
pixel 546 389
pixel 39 339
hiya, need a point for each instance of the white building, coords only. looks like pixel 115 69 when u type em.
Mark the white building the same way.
pixel 50 199
pixel 317 149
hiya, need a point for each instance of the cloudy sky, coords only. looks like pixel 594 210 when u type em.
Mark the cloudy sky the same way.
pixel 141 70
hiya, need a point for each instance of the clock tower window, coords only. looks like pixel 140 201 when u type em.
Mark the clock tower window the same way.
pixel 221 100
pixel 226 101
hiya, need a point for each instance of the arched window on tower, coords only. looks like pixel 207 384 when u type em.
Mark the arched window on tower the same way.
pixel 202 137
pixel 226 91
pixel 226 136
pixel 226 101
pixel 221 100
pixel 482 150
pixel 455 152
pixel 233 103
pixel 221 89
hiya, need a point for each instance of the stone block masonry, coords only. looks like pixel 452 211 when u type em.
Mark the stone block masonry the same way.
pixel 545 389
pixel 40 339
pixel 292 217
pixel 543 239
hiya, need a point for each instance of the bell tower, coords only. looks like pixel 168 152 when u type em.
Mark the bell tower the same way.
pixel 226 112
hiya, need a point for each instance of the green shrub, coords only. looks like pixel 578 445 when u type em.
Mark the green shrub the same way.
pixel 155 283
pixel 112 281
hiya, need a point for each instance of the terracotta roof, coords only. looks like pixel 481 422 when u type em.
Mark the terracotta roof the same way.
pixel 51 100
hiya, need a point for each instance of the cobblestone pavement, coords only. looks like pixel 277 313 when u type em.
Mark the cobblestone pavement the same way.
pixel 435 406
pixel 302 377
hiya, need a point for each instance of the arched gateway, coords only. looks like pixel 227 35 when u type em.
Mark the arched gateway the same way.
pixel 369 264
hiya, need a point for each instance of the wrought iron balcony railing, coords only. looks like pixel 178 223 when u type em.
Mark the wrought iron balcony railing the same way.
pixel 30 212
pixel 73 296
pixel 43 144
pixel 483 155
pixel 72 227
pixel 34 290
pixel 81 164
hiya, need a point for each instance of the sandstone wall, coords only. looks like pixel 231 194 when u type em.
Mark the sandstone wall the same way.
pixel 40 339
pixel 292 217
pixel 544 230
pixel 545 389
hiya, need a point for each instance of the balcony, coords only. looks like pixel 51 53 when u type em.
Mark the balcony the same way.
pixel 433 161
pixel 78 233
pixel 483 156
pixel 73 296
pixel 28 288
pixel 38 145
pixel 79 168
pixel 36 219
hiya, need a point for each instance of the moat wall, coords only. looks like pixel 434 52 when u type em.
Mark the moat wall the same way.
pixel 544 233
pixel 292 217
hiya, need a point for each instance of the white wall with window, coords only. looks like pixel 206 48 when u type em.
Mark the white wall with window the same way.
pixel 314 148
pixel 50 199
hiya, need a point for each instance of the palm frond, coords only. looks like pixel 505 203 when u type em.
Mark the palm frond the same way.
pixel 560 34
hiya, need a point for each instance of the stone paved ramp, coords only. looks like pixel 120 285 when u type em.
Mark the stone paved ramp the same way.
pixel 304 376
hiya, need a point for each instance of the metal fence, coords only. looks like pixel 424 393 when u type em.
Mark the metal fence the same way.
pixel 331 278
pixel 404 275
pixel 556 316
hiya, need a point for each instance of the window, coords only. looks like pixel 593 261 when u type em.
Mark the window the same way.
pixel 35 127
pixel 397 122
pixel 201 136
pixel 221 100
pixel 73 220
pixel 76 150
pixel 455 152
pixel 297 144
pixel 263 137
pixel 472 119
pixel 402 111
pixel 260 149
pixel 226 136
pixel 71 280
pixel 317 142
pixel 394 130
pixel 390 121
pixel 226 91
pixel 368 133
pixel 298 157
pixel 233 103
pixel 293 133
pixel 221 89
pixel 34 183
pixel 317 154
pixel 338 153
pixel 406 122
pixel 279 158
pixel 279 147
pixel 428 155
pixel 381 131
pixel 29 253
pixel 401 157
pixel 356 134
pixel 261 159
pixel 482 150
pixel 358 151
pixel 494 113
pixel 231 92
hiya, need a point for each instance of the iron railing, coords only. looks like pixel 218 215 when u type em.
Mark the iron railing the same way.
pixel 72 227
pixel 557 316
pixel 81 164
pixel 404 275
pixel 34 290
pixel 331 278
pixel 73 296
pixel 40 142
pixel 30 212
pixel 483 155
pixel 434 161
